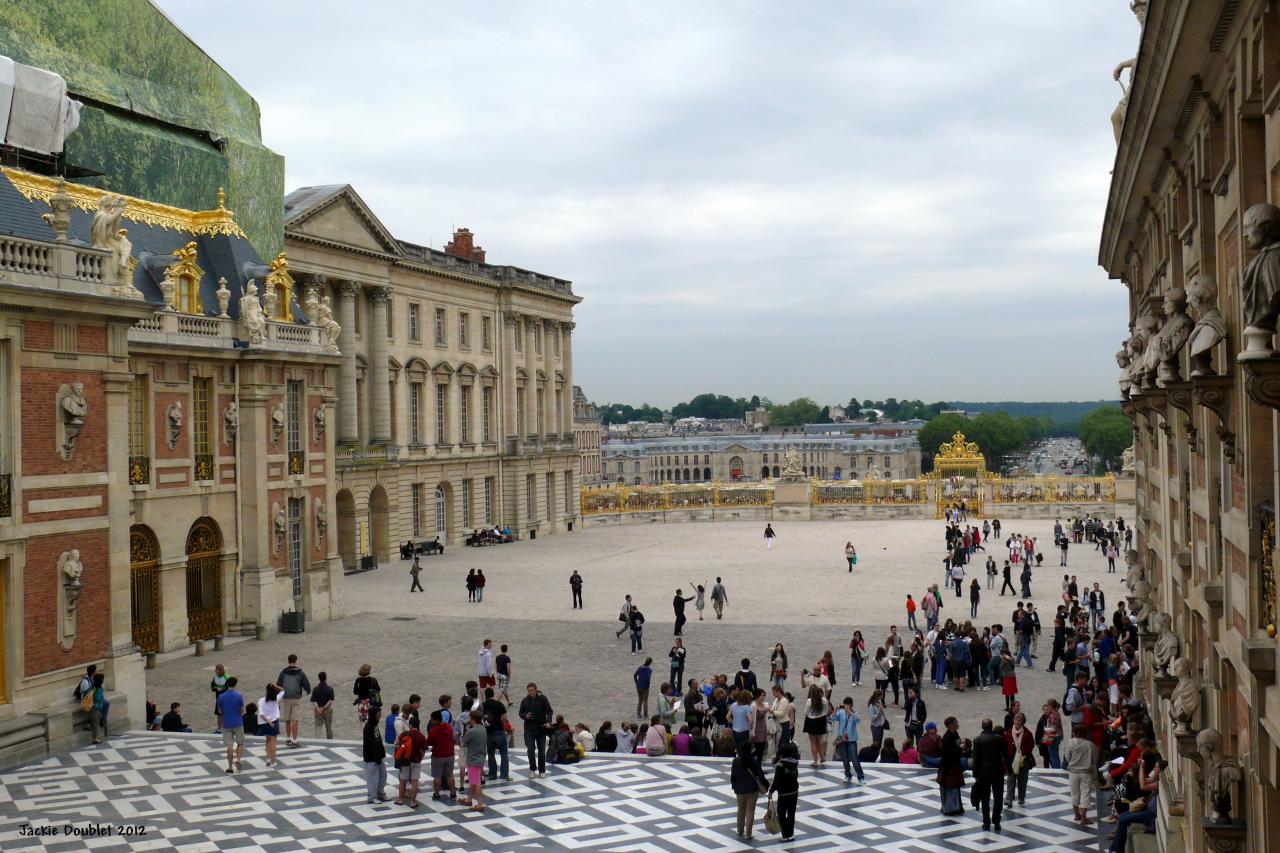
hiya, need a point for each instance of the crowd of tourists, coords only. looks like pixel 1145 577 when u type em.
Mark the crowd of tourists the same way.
pixel 1096 730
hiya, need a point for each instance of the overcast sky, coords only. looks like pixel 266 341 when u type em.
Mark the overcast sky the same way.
pixel 821 198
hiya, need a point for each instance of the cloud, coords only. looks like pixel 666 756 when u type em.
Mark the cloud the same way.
pixel 817 199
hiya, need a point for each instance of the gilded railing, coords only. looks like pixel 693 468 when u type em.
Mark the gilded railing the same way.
pixel 1047 489
pixel 825 492
pixel 602 500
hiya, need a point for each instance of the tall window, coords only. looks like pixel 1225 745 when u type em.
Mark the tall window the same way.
pixel 202 447
pixel 295 545
pixel 531 497
pixel 551 496
pixel 555 427
pixel 414 311
pixel 293 402
pixel 485 333
pixel 519 329
pixel 466 503
pixel 441 436
pixel 519 411
pixel 415 413
pixel 464 414
pixel 555 337
pixel 568 491
pixel 440 327
pixel 464 330
pixel 139 452
pixel 537 337
pixel 415 494
pixel 391 316
pixel 537 424
pixel 488 501
pixel 486 403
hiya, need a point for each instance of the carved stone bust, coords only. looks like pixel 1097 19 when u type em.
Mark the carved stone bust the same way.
pixel 1220 774
pixel 1210 328
pixel 1167 645
pixel 1261 280
pixel 1152 323
pixel 1173 335
pixel 72 411
pixel 1185 698
pixel 173 414
pixel 231 419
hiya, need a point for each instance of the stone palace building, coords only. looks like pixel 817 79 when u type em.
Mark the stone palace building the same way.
pixel 1192 232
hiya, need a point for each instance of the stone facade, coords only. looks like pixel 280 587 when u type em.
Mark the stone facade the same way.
pixel 1199 152
pixel 588 437
pixel 454 391
pixel 744 457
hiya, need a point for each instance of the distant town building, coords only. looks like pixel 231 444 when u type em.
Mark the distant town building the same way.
pixel 757 418
pixel 588 436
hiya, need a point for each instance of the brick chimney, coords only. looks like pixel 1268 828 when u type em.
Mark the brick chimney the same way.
pixel 463 246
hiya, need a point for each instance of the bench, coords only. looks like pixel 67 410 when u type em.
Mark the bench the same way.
pixel 420 546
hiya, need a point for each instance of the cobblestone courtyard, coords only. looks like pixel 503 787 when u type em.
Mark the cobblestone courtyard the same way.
pixel 798 593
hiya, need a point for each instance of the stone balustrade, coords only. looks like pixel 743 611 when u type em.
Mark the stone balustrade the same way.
pixel 58 266
pixel 177 329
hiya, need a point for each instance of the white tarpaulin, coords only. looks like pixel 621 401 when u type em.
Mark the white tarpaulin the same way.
pixel 38 112
pixel 6 93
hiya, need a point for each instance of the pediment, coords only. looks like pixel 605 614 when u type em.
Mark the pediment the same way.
pixel 345 219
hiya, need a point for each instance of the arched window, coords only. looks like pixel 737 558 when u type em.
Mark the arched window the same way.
pixel 185 275
pixel 775 469
pixel 764 473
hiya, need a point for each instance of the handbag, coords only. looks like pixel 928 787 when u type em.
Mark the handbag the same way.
pixel 86 701
pixel 1017 763
pixel 771 822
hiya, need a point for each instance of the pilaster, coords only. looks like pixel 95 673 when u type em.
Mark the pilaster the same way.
pixel 348 422
pixel 379 385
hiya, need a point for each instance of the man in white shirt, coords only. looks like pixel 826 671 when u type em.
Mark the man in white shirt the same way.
pixel 484 666
pixel 957 577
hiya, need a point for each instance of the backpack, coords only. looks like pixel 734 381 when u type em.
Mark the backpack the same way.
pixel 80 689
pixel 389 730
pixel 404 751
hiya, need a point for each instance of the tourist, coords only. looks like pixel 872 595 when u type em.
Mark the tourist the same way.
pixel 888 752
pixel 929 604
pixel 975 595
pixel 636 623
pixel 786 784
pixel 292 682
pixel 989 766
pixel 172 721
pixel 857 656
pixel 909 754
pixel 414 571
pixel 322 697
pixel 991 572
pixel 606 740
pixel 1008 678
pixel 217 685
pixel 748 783
pixel 950 776
pixel 850 555
pixel 1048 734
pixel 758 723
pixel 911 612
pixel 677 607
pixel 575 586
pixel 480 582
pixel 957 576
pixel 374 753
pixel 745 679
pixel 410 750
pixel 740 715
pixel 502 665
pixel 769 536
pixel 916 715
pixel 880 668
pixel 719 598
pixel 535 710
pixel 846 721
pixel 701 597
pixel 624 616
pixel 782 715
pixel 231 718
pixel 366 690
pixel 1019 745
pixel 439 738
pixel 1063 546
pixel 1025 580
pixel 269 721
pixel 626 738
pixel 677 655
pixel 474 745
pixel 699 743
pixel 250 718
pixel 1079 763
pixel 471 585
pixel 655 738
pixel 930 747
pixel 1097 600
pixel 642 678
pixel 829 668
pixel 1008 582
pixel 876 715
pixel 667 704
pixel 494 714
pixel 778 665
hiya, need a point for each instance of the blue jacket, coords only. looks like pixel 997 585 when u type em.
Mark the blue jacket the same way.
pixel 642 676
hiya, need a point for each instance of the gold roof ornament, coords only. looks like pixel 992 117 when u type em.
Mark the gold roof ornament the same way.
pixel 200 222
pixel 279 278
pixel 958 448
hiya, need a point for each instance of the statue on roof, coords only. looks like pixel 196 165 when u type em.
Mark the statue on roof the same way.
pixel 255 324
pixel 328 325
pixel 105 233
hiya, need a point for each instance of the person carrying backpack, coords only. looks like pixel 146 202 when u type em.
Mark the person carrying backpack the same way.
pixel 375 765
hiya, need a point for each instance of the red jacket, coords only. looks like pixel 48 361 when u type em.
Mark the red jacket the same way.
pixel 1134 756
pixel 1027 744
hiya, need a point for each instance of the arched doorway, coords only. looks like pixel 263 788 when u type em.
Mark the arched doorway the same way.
pixel 144 582
pixel 378 512
pixel 706 475
pixel 775 472
pixel 347 536
pixel 204 580
pixel 443 512
pixel 764 473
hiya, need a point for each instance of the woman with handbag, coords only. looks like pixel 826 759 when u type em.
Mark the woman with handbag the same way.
pixel 781 712
pixel 857 655
pixel 1019 746
pixel 816 711
pixel 367 692
pixel 748 782
pixel 778 665
pixel 786 784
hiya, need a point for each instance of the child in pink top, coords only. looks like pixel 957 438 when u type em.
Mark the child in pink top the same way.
pixel 680 741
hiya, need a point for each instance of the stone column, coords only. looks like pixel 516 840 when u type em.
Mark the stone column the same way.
pixel 379 385
pixel 566 355
pixel 508 390
pixel 531 424
pixel 348 421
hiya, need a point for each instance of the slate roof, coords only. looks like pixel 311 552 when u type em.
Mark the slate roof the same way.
pixel 218 255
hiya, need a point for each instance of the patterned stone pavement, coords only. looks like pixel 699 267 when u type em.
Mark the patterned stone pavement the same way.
pixel 173 789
